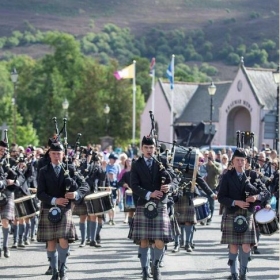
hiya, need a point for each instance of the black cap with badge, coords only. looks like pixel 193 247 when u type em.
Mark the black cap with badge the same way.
pixel 239 153
pixel 147 140
pixel 56 146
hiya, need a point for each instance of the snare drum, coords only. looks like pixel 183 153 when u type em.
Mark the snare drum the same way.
pixel 201 208
pixel 128 201
pixel 267 221
pixel 26 206
pixel 99 203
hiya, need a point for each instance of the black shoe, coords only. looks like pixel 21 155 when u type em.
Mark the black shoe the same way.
pixel 21 244
pixel 49 271
pixel 176 248
pixel 188 248
pixel 202 223
pixel 233 276
pixel 0 253
pixel 6 252
pixel 98 238
pixel 145 273
pixel 15 245
pixel 54 275
pixel 255 250
pixel 83 244
pixel 192 245
pixel 208 222
pixel 156 271
pixel 94 244
pixel 62 272
pixel 243 277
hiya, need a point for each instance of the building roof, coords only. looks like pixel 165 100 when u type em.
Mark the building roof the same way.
pixel 182 94
pixel 263 85
pixel 198 108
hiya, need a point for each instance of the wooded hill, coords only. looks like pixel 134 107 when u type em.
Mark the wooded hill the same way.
pixel 217 32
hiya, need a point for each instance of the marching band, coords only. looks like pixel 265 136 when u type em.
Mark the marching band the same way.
pixel 163 195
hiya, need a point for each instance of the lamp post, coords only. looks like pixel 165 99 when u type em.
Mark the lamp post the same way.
pixel 106 112
pixel 65 106
pixel 211 90
pixel 276 76
pixel 14 78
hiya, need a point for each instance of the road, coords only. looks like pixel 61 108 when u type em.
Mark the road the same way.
pixel 117 259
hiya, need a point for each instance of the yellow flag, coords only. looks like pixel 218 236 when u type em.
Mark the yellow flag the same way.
pixel 126 73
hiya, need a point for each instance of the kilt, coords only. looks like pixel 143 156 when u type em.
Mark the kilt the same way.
pixel 152 229
pixel 80 209
pixel 8 211
pixel 229 236
pixel 184 210
pixel 48 231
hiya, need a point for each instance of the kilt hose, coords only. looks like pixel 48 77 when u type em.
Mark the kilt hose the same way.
pixel 152 229
pixel 229 236
pixel 184 210
pixel 8 211
pixel 48 231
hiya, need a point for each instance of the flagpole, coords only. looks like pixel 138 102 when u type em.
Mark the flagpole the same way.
pixel 172 102
pixel 134 104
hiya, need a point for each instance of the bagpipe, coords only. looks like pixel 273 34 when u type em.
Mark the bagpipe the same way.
pixel 9 166
pixel 182 162
pixel 253 182
pixel 166 177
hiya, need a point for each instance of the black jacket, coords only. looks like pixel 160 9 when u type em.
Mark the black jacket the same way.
pixel 142 180
pixel 49 185
pixel 231 188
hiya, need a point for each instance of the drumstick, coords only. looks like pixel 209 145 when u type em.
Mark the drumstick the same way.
pixel 112 188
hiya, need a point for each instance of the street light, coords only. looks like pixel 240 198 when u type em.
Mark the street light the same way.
pixel 65 106
pixel 211 90
pixel 276 76
pixel 14 78
pixel 106 112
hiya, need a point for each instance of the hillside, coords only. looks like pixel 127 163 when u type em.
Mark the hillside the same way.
pixel 251 20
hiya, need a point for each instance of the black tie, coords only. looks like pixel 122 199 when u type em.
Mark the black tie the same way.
pixel 149 163
pixel 240 176
pixel 57 170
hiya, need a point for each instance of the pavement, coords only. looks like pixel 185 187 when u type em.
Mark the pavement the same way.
pixel 117 258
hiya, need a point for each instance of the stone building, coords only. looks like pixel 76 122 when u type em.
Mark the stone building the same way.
pixel 248 103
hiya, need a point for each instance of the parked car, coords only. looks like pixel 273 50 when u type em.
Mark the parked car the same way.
pixel 217 148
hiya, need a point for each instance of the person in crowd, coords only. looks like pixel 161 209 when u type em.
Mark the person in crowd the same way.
pixel 56 190
pixel 7 205
pixel 224 162
pixel 238 196
pixel 112 171
pixel 124 182
pixel 229 153
pixel 218 157
pixel 151 221
pixel 214 170
pixel 184 207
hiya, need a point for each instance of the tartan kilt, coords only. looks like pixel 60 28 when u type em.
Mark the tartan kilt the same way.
pixel 229 236
pixel 48 231
pixel 158 228
pixel 8 211
pixel 80 209
pixel 184 210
